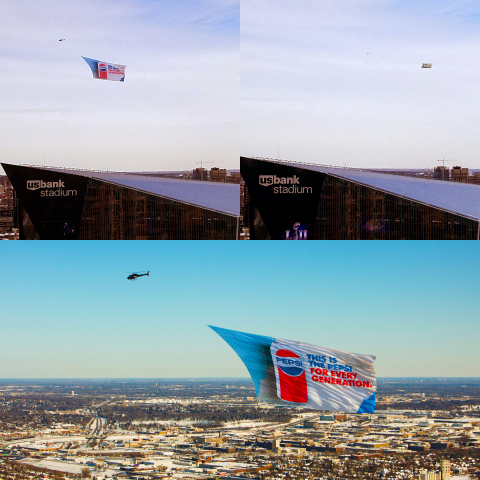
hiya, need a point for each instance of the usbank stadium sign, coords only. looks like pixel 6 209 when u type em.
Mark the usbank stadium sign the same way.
pixel 52 200
pixel 280 184
pixel 51 189
pixel 283 199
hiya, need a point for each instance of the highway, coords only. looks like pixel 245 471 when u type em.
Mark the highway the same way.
pixel 98 425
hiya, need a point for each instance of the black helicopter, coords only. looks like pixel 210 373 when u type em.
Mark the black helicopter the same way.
pixel 134 276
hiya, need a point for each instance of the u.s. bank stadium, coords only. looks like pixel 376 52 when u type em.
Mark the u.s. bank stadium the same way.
pixel 58 203
pixel 286 200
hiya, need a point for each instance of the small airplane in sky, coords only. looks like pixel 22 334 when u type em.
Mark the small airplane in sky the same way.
pixel 134 275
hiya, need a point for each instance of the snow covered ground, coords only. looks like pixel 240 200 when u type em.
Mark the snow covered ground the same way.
pixel 50 439
pixel 67 467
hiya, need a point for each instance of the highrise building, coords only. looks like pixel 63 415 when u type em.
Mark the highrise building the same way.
pixel 441 173
pixel 445 469
pixel 200 174
pixel 459 174
pixel 218 175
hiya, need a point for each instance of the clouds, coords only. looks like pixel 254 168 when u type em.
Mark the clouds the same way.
pixel 379 109
pixel 182 73
pixel 296 75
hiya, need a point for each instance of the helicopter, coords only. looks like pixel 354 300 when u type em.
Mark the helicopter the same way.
pixel 134 275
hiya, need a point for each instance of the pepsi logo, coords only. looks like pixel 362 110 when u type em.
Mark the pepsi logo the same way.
pixel 289 363
pixel 102 67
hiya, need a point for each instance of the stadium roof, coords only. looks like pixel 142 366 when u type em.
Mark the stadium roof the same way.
pixel 221 197
pixel 458 198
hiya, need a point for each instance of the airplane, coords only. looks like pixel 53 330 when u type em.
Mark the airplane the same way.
pixel 134 276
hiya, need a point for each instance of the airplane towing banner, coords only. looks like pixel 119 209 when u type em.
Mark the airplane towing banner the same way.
pixel 298 374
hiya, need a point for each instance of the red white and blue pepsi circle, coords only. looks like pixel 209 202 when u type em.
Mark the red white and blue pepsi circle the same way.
pixel 292 382
pixel 102 70
pixel 289 363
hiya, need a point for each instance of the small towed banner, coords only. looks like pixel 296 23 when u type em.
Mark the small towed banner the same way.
pixel 105 70
pixel 297 374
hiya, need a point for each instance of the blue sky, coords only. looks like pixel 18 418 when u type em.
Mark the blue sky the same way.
pixel 309 89
pixel 202 83
pixel 69 311
pixel 179 102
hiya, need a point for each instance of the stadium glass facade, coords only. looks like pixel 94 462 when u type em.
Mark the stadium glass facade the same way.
pixel 350 211
pixel 114 212
pixel 57 206
pixel 292 202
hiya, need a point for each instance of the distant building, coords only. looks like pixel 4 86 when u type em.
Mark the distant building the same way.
pixel 441 173
pixel 441 445
pixel 459 174
pixel 218 175
pixel 200 174
pixel 372 445
pixel 8 210
pixel 445 469
pixel 234 177
pixel 443 475
pixel 417 448
pixel 208 439
pixel 327 418
pixel 475 178
pixel 429 476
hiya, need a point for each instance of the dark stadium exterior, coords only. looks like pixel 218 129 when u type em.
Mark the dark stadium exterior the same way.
pixel 64 204
pixel 284 200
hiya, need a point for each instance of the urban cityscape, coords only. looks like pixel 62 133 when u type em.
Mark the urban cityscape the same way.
pixel 424 429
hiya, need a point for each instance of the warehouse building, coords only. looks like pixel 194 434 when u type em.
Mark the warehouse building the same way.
pixel 74 204
pixel 286 200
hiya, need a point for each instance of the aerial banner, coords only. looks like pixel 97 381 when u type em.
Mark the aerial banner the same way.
pixel 298 374
pixel 105 70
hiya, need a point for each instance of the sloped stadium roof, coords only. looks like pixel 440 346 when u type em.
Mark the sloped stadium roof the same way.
pixel 221 197
pixel 458 198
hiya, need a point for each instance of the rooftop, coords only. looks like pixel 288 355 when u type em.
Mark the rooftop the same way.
pixel 458 198
pixel 221 197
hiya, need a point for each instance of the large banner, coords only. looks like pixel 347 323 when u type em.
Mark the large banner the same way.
pixel 299 374
pixel 105 70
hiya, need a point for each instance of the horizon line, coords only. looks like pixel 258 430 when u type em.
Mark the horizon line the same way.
pixel 203 378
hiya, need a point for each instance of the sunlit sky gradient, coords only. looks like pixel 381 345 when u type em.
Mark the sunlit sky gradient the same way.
pixel 292 79
pixel 179 102
pixel 309 88
pixel 69 311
